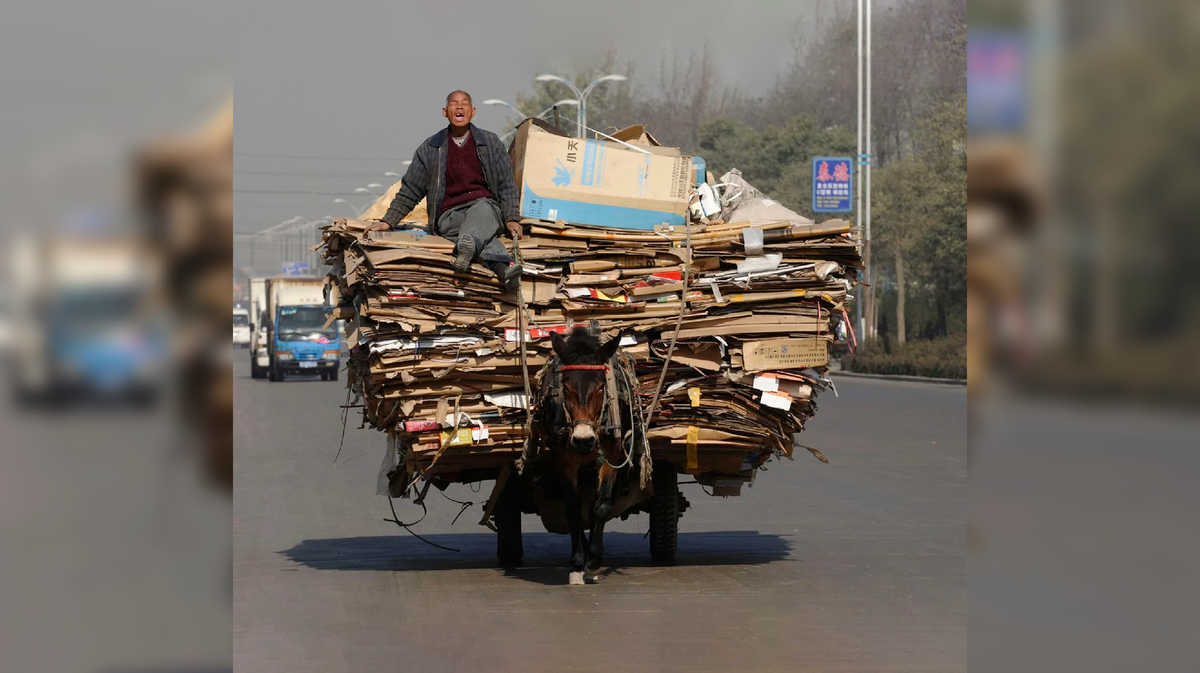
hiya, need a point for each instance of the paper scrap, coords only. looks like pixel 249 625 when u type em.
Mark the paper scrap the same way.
pixel 766 383
pixel 461 437
pixel 776 400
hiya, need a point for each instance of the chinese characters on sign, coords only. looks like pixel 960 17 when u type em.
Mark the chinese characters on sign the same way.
pixel 831 184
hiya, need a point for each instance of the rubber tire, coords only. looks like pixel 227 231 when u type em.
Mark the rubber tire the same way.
pixel 273 373
pixel 333 375
pixel 256 372
pixel 664 513
pixel 324 376
pixel 507 514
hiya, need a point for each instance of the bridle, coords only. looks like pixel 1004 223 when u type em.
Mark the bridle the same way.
pixel 571 422
pixel 595 426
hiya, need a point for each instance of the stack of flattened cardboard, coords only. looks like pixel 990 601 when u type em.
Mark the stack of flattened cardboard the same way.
pixel 435 354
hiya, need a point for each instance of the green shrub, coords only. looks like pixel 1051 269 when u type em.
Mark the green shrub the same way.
pixel 939 358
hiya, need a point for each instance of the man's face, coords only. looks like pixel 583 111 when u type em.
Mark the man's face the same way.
pixel 458 110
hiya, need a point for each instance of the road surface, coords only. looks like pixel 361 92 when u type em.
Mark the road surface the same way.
pixel 859 565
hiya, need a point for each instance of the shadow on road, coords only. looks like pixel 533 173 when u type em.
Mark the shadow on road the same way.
pixel 545 553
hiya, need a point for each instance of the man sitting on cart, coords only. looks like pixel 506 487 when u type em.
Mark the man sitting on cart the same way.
pixel 466 176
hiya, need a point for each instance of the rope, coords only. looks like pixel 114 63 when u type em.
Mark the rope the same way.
pixel 687 265
pixel 396 520
pixel 522 328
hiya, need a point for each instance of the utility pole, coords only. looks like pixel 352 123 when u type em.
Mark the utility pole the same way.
pixel 871 308
pixel 858 169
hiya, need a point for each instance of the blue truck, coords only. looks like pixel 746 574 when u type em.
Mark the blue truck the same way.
pixel 288 332
pixel 89 324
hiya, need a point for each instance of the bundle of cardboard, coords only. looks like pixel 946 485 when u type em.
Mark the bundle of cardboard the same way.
pixel 435 354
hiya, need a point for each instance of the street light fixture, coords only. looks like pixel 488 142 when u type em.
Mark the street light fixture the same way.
pixel 497 101
pixel 581 95
pixel 357 211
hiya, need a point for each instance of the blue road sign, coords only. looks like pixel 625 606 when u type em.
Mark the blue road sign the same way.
pixel 831 184
pixel 295 268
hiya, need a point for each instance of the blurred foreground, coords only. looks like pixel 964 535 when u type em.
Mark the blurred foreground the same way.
pixel 1084 318
pixel 115 394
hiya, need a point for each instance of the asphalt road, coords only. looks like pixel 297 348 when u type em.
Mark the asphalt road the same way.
pixel 859 565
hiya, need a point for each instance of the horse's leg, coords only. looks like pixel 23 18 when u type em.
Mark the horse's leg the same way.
pixel 578 543
pixel 600 513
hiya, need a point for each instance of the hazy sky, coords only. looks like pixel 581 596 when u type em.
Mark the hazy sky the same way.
pixel 331 95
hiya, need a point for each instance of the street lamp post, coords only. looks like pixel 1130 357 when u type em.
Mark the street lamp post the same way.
pixel 581 96
pixel 496 101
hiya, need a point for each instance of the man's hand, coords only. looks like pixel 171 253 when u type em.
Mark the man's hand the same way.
pixel 514 229
pixel 378 226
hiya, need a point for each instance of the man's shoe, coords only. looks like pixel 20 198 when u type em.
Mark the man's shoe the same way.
pixel 465 254
pixel 512 278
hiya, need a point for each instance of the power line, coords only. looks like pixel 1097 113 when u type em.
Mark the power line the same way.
pixel 320 158
pixel 308 173
pixel 291 191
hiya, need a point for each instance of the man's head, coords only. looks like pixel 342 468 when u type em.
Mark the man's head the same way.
pixel 459 111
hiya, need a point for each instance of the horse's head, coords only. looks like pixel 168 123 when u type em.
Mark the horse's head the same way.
pixel 584 368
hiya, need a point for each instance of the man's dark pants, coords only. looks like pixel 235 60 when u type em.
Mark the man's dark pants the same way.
pixel 480 220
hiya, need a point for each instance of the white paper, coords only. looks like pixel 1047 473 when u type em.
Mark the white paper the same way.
pixel 767 383
pixel 479 434
pixel 509 400
pixel 761 263
pixel 708 203
pixel 776 400
pixel 716 290
pixel 628 341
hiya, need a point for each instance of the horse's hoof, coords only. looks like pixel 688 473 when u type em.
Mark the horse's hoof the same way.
pixel 593 576
pixel 576 578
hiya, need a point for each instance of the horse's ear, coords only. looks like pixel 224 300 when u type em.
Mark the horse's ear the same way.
pixel 559 344
pixel 605 352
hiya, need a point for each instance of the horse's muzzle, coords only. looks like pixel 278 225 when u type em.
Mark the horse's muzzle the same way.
pixel 584 446
pixel 583 439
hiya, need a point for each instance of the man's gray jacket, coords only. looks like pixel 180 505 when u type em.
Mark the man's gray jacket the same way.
pixel 426 177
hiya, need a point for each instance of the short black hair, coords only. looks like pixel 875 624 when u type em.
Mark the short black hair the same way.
pixel 451 95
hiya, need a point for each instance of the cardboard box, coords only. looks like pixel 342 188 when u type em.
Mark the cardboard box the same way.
pixel 784 354
pixel 598 182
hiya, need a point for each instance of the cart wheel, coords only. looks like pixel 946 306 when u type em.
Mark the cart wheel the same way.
pixel 507 515
pixel 664 513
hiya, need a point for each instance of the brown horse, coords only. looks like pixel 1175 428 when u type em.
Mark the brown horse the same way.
pixel 590 422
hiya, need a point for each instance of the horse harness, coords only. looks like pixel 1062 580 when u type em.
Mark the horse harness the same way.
pixel 611 410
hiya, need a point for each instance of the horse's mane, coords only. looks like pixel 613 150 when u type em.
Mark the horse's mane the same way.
pixel 581 347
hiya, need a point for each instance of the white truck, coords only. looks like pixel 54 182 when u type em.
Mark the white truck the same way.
pixel 287 329
pixel 241 327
